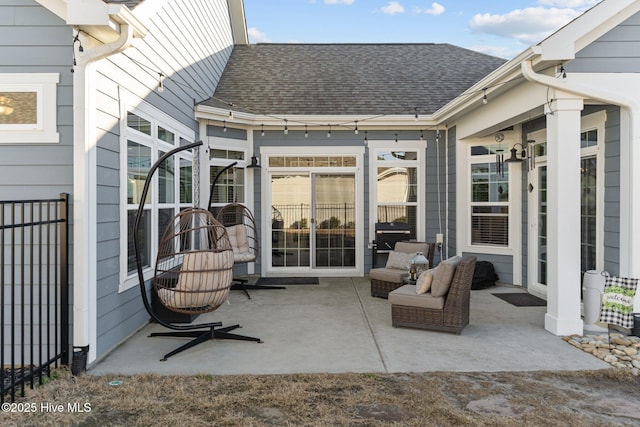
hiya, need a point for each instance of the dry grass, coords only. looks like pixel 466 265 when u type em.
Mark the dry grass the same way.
pixel 608 397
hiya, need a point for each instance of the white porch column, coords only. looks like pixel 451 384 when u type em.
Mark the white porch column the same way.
pixel 563 217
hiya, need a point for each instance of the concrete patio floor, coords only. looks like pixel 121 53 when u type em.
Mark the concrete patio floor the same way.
pixel 337 327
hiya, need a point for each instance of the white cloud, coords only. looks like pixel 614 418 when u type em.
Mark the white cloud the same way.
pixel 436 9
pixel 572 4
pixel 499 51
pixel 257 36
pixel 392 8
pixel 339 1
pixel 529 26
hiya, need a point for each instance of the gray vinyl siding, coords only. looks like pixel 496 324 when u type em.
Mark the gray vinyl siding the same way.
pixel 34 40
pixel 612 191
pixel 450 225
pixel 614 52
pixel 435 200
pixel 189 41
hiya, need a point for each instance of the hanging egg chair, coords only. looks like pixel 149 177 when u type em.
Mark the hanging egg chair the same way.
pixel 193 271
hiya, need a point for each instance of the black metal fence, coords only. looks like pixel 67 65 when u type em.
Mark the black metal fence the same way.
pixel 34 293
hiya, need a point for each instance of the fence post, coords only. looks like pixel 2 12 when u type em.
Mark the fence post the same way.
pixel 64 277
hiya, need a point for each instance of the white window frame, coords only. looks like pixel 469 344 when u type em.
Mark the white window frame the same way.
pixel 465 197
pixel 157 119
pixel 233 145
pixel 45 87
pixel 376 147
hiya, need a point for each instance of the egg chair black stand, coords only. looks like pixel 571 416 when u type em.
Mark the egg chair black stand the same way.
pixel 193 269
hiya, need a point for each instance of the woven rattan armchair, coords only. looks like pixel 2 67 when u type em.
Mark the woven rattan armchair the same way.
pixel 452 317
pixel 384 280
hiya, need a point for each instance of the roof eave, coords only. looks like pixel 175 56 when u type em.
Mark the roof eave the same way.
pixel 472 97
pixel 220 115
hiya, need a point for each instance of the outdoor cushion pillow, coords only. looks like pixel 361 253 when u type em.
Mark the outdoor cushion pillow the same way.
pixel 443 276
pixel 424 281
pixel 204 280
pixel 399 260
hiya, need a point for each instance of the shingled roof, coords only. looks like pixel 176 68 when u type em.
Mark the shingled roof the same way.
pixel 348 79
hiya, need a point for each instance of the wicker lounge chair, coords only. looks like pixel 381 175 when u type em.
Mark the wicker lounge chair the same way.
pixel 384 280
pixel 449 313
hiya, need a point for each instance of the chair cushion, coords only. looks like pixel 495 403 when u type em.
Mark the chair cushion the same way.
pixel 412 247
pixel 406 295
pixel 387 274
pixel 204 279
pixel 240 243
pixel 443 276
pixel 423 284
pixel 400 260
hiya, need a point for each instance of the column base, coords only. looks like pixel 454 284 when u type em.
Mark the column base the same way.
pixel 562 327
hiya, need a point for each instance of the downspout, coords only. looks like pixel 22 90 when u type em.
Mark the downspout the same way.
pixel 629 248
pixel 84 184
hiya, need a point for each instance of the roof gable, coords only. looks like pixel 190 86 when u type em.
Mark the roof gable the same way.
pixel 348 79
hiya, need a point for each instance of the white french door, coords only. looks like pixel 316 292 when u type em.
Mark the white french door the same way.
pixel 591 203
pixel 537 202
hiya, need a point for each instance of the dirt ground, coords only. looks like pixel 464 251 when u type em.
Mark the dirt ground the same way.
pixel 583 398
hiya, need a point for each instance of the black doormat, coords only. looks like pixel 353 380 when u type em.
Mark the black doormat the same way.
pixel 277 281
pixel 521 299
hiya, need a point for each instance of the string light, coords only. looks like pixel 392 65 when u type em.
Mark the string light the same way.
pixel 366 139
pixel 207 96
pixel 421 135
pixel 286 128
pixel 306 132
pixel 262 129
pixel 230 115
pixel 224 126
pixel 396 138
pixel 563 72
pixel 484 97
pixel 160 82
pixel 356 129
pixel 329 132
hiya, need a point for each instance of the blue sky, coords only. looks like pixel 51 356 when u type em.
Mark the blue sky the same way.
pixel 497 27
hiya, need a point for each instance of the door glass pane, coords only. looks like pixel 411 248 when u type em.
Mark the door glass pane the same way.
pixel 335 220
pixel 588 213
pixel 290 220
pixel 542 225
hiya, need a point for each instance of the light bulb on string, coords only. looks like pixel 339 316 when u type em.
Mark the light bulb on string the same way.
pixel 356 129
pixel 262 129
pixel 160 82
pixel 485 101
pixel 286 128
pixel 329 132
pixel 306 132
